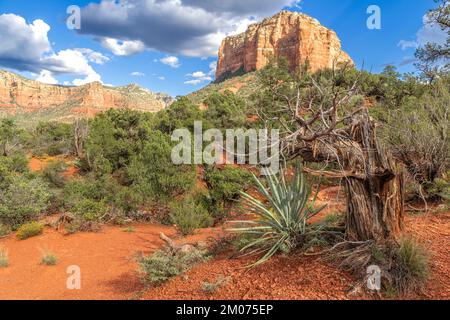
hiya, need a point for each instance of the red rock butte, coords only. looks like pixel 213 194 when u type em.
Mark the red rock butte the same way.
pixel 19 95
pixel 295 36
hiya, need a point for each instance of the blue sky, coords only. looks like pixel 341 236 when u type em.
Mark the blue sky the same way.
pixel 187 30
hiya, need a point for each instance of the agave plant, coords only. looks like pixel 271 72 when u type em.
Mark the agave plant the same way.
pixel 280 224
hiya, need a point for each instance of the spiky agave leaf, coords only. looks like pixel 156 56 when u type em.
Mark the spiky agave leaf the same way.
pixel 283 219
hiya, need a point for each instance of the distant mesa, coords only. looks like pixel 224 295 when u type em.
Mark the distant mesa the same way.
pixel 33 100
pixel 292 35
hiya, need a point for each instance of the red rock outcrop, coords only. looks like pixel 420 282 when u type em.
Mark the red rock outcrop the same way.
pixel 19 95
pixel 293 35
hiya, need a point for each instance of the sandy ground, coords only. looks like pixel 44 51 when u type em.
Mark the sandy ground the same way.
pixel 107 260
pixel 300 277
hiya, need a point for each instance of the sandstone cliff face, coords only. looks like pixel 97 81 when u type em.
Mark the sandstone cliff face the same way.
pixel 20 96
pixel 288 34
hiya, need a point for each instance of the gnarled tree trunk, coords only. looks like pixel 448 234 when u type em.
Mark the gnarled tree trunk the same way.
pixel 375 197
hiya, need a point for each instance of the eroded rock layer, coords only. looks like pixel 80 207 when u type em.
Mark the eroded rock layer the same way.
pixel 21 96
pixel 292 35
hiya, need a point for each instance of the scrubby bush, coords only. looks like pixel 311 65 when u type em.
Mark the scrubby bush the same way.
pixel 87 188
pixel 129 230
pixel 89 210
pixel 404 265
pixel 23 199
pixel 29 230
pixel 152 172
pixel 181 114
pixel 164 264
pixel 4 230
pixel 11 137
pixel 49 259
pixel 125 144
pixel 224 187
pixel 4 259
pixel 212 287
pixel 411 266
pixel 440 188
pixel 114 138
pixel 242 240
pixel 53 173
pixel 9 166
pixel 52 138
pixel 418 134
pixel 188 216
pixel 225 110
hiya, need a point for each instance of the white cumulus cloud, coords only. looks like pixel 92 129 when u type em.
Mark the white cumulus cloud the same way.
pixel 187 27
pixel 46 77
pixel 26 47
pixel 172 61
pixel 123 48
pixel 198 77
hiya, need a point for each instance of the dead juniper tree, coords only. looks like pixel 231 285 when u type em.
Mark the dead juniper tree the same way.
pixel 323 118
pixel 80 133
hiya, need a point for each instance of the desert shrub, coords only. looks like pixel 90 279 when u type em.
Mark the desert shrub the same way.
pixel 90 210
pixel 49 259
pixel 282 224
pixel 16 162
pixel 53 173
pixel 52 138
pixel 80 225
pixel 440 188
pixel 224 187
pixel 125 144
pixel 225 110
pixel 152 172
pixel 29 230
pixel 411 266
pixel 181 114
pixel 4 230
pixel 164 264
pixel 115 202
pixel 4 259
pixel 9 166
pixel 188 216
pixel 243 240
pixel 211 287
pixel 114 138
pixel 89 200
pixel 23 199
pixel 333 219
pixel 418 134
pixel 90 187
pixel 11 137
pixel 129 230
pixel 403 265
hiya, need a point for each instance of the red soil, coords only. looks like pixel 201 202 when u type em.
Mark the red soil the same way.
pixel 39 164
pixel 295 277
pixel 109 268
pixel 106 259
pixel 301 277
pixel 433 232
